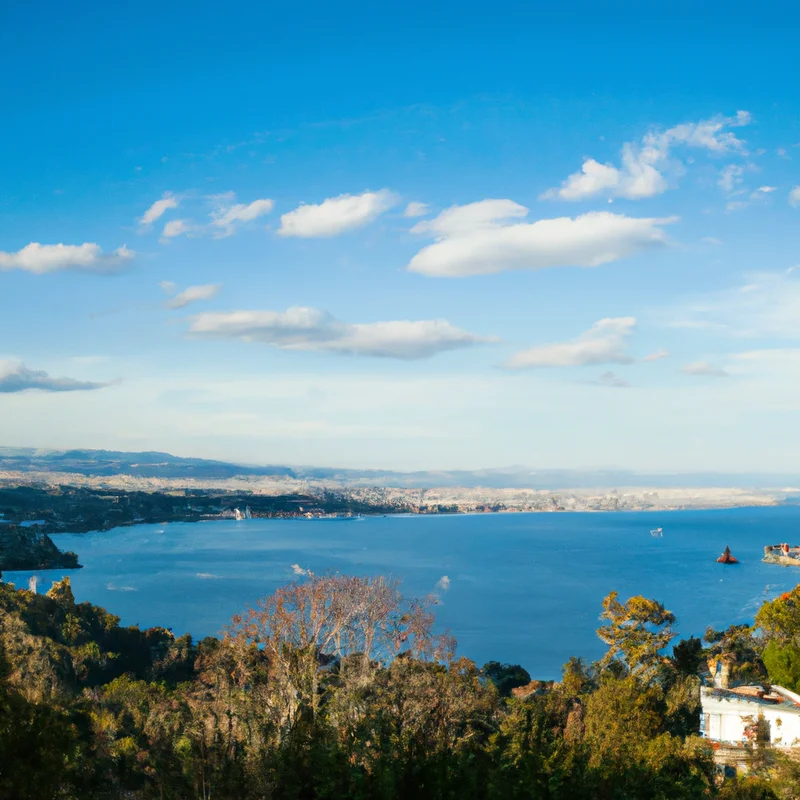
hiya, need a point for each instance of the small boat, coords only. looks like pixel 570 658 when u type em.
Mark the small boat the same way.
pixel 656 532
pixel 727 558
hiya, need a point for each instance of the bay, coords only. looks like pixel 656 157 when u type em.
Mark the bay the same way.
pixel 520 588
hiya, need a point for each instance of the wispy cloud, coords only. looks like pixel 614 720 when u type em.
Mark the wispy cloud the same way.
pixel 612 380
pixel 309 329
pixel 604 343
pixel 767 304
pixel 336 214
pixel 16 377
pixel 730 177
pixel 227 215
pixel 794 197
pixel 43 258
pixel 193 294
pixel 704 368
pixel 177 227
pixel 158 209
pixel 656 356
pixel 643 165
pixel 415 209
pixel 487 237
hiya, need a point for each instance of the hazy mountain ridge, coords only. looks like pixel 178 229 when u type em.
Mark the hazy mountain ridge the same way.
pixel 158 465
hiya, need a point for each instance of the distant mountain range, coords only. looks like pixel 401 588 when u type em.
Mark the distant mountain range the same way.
pixel 103 463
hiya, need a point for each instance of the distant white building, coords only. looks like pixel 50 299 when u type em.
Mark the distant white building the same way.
pixel 730 716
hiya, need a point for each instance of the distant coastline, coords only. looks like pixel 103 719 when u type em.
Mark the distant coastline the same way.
pixel 43 493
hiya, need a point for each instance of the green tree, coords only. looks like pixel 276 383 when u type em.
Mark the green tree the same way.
pixel 636 632
pixel 505 677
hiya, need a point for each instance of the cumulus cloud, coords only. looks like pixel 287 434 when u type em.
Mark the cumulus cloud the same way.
pixel 312 330
pixel 604 343
pixel 16 377
pixel 643 164
pixel 159 208
pixel 612 380
pixel 226 214
pixel 794 197
pixel 443 584
pixel 177 227
pixel 414 209
pixel 43 258
pixel 194 293
pixel 336 214
pixel 298 570
pixel 704 368
pixel 656 356
pixel 486 237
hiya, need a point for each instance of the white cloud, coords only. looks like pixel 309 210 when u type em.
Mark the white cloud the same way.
pixel 641 173
pixel 612 380
pixel 712 240
pixel 194 293
pixel 730 177
pixel 483 238
pixel 336 214
pixel 736 205
pixel 298 570
pixel 312 330
pixel 43 258
pixel 704 368
pixel 168 286
pixel 159 208
pixel 415 209
pixel 16 377
pixel 443 584
pixel 226 216
pixel 656 356
pixel 458 220
pixel 794 197
pixel 604 343
pixel 177 227
pixel 767 189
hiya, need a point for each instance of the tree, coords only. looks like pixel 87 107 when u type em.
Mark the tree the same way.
pixel 359 623
pixel 779 619
pixel 783 664
pixel 505 677
pixel 636 633
pixel 687 656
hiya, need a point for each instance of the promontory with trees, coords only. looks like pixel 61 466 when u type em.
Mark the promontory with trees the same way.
pixel 340 687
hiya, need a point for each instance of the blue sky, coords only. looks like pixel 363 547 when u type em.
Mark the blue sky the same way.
pixel 410 237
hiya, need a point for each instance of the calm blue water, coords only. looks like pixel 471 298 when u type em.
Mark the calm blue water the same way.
pixel 524 588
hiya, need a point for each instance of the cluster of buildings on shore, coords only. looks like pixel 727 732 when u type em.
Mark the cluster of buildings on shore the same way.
pixel 737 719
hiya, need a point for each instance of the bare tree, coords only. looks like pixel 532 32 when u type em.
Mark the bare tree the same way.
pixel 351 623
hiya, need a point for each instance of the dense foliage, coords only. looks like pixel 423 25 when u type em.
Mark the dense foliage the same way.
pixel 337 687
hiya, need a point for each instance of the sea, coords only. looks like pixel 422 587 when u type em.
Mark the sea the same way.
pixel 518 588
